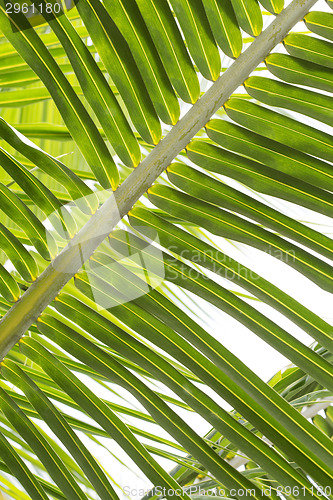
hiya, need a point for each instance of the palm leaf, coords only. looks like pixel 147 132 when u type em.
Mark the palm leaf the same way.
pixel 106 347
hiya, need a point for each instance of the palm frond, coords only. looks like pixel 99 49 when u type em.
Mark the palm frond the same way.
pixel 104 288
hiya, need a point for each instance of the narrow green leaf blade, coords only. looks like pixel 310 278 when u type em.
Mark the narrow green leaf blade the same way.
pixel 16 210
pixel 275 93
pixel 200 40
pixel 320 23
pixel 162 336
pixel 170 45
pixel 129 21
pixel 38 193
pixel 93 356
pixel 122 68
pixel 249 16
pixel 223 223
pixel 277 126
pixel 95 88
pixel 277 156
pixel 264 179
pixel 78 190
pixel 8 286
pixel 42 448
pixel 299 71
pixel 224 196
pixel 273 6
pixel 18 254
pixel 224 26
pixel 30 46
pixel 100 412
pixel 20 470
pixel 185 244
pixel 61 428
pixel 310 49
